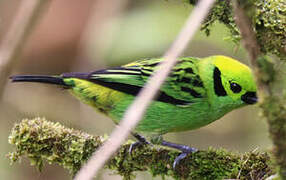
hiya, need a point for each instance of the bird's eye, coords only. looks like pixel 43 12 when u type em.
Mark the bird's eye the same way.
pixel 236 88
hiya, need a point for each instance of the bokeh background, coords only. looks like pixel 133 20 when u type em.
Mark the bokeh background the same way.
pixel 92 34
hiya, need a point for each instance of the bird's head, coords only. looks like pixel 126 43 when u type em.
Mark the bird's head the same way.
pixel 233 81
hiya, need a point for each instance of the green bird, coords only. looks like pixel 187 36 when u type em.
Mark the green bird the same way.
pixel 197 92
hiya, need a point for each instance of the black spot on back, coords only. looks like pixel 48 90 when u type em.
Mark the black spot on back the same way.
pixel 185 80
pixel 192 92
pixel 189 70
pixel 197 83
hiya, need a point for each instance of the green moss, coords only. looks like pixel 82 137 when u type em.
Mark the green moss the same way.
pixel 266 65
pixel 275 110
pixel 268 18
pixel 273 107
pixel 43 141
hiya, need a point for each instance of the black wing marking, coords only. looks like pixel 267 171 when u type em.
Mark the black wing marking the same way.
pixel 183 87
pixel 101 77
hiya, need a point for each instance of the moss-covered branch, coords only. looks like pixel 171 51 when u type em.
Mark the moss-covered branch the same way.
pixel 41 140
pixel 271 86
pixel 268 18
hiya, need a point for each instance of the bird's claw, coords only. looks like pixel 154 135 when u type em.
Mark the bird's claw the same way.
pixel 141 141
pixel 184 153
pixel 183 148
pixel 134 145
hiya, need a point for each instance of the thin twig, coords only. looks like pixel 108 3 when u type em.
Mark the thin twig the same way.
pixel 16 37
pixel 247 33
pixel 136 111
pixel 249 41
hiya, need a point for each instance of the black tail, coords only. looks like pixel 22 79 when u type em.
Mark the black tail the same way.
pixel 39 78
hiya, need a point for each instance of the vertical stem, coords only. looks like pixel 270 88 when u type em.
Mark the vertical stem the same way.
pixel 272 105
pixel 16 37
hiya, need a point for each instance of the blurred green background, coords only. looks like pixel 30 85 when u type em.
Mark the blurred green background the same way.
pixel 83 36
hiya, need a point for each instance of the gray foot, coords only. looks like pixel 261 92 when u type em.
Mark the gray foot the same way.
pixel 141 141
pixel 185 151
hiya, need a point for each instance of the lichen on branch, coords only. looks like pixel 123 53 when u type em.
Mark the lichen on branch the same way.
pixel 269 75
pixel 268 19
pixel 44 141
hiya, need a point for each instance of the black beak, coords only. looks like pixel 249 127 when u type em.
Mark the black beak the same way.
pixel 249 98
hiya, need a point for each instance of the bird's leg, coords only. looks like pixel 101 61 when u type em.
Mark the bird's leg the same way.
pixel 185 151
pixel 141 141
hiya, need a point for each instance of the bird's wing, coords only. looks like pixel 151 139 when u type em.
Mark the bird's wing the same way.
pixel 183 87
